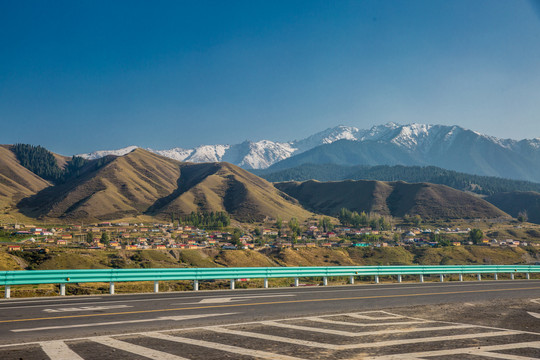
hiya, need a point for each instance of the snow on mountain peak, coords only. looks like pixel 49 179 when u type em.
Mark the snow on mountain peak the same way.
pixel 422 138
pixel 101 153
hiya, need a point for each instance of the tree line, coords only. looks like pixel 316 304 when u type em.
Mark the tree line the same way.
pixel 484 185
pixel 42 162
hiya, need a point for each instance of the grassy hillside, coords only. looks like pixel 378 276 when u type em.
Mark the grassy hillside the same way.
pixel 484 185
pixel 16 182
pixel 145 183
pixel 390 198
pixel 97 259
pixel 517 202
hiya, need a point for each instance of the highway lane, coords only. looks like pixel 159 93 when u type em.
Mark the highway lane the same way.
pixel 70 317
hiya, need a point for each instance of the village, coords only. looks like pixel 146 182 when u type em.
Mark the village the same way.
pixel 163 236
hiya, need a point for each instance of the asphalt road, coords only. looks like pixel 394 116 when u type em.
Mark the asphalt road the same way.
pixel 43 319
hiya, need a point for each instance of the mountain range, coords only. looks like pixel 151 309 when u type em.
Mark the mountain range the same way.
pixel 448 147
pixel 142 183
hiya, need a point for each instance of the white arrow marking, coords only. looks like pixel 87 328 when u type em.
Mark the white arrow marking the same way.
pixel 163 318
pixel 222 300
pixel 86 308
pixel 536 315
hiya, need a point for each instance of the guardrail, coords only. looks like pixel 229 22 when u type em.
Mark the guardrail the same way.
pixel 63 277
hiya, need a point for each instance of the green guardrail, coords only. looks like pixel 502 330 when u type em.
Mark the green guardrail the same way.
pixel 62 277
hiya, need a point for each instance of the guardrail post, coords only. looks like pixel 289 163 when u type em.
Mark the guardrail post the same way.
pixel 399 278
pixel 325 280
pixel 266 283
pixel 195 285
pixel 232 284
pixel 111 288
pixel 7 293
pixel 460 277
pixel 296 282
pixel 62 289
pixel 351 279
pixel 479 277
pixel 156 286
pixel 511 276
pixel 495 277
pixel 376 279
pixel 421 277
pixel 441 277
pixel 528 276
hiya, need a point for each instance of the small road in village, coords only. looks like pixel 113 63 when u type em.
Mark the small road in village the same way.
pixel 490 319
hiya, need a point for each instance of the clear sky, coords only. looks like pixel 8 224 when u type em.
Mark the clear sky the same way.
pixel 78 76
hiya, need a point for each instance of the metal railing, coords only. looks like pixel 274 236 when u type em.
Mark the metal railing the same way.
pixel 63 277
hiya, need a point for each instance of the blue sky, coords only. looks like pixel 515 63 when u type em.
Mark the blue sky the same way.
pixel 78 76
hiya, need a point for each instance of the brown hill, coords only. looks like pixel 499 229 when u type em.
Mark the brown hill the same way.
pixel 145 183
pixel 16 182
pixel 517 202
pixel 389 198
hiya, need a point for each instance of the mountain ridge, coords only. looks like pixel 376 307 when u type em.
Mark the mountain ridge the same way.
pixel 450 147
pixel 396 199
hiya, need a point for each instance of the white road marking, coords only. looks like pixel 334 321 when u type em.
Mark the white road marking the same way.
pixel 533 314
pixel 357 334
pixel 386 316
pixel 273 338
pixel 469 350
pixel 222 347
pixel 336 322
pixel 136 349
pixel 224 300
pixel 537 301
pixel 501 356
pixel 87 308
pixel 363 345
pixel 379 287
pixel 58 350
pixel 57 346
pixel 163 318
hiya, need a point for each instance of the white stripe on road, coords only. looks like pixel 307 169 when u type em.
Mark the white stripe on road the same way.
pixel 58 350
pixel 273 338
pixel 379 287
pixel 387 316
pixel 363 345
pixel 336 322
pixel 222 347
pixel 162 318
pixel 501 356
pixel 225 300
pixel 136 349
pixel 367 333
pixel 469 350
pixel 87 308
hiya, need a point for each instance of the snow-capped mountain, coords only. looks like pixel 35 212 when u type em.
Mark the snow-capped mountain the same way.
pixel 450 147
pixel 249 154
pixel 101 153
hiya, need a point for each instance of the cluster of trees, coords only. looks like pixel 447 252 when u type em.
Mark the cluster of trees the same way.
pixel 42 162
pixel 104 238
pixel 352 218
pixel 209 220
pixel 485 185
pixel 38 160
